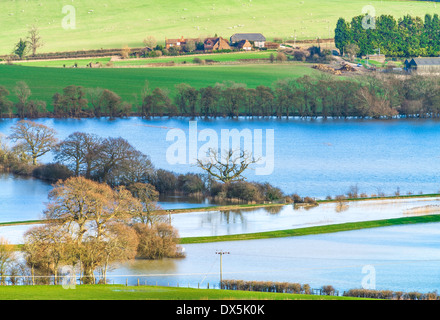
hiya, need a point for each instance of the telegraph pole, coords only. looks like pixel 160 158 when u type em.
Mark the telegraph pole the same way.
pixel 221 253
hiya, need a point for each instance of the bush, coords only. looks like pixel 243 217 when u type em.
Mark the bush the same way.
pixel 198 60
pixel 243 191
pixel 271 193
pixel 157 241
pixel 310 200
pixel 52 172
pixel 328 290
pixel 191 183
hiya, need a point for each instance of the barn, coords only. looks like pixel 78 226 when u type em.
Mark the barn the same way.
pixel 257 38
pixel 423 65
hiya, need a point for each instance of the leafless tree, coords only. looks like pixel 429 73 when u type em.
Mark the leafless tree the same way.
pixel 150 42
pixel 35 139
pixel 227 168
pixel 95 97
pixel 148 196
pixel 7 256
pixel 80 153
pixel 34 39
pixel 121 163
pixel 23 93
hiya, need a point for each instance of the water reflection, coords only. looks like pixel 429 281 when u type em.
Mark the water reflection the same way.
pixel 227 222
pixel 213 223
pixel 405 258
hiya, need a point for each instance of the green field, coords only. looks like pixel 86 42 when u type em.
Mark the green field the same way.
pixel 115 23
pixel 83 63
pixel 45 82
pixel 120 292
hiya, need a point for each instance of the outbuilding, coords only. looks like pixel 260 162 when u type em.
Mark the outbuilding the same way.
pixel 256 38
pixel 422 65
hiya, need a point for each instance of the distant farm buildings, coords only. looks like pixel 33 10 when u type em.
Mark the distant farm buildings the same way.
pixel 256 38
pixel 178 42
pixel 241 41
pixel 216 44
pixel 423 65
pixel 244 45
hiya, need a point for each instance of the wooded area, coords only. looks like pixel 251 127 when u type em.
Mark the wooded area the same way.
pixel 404 37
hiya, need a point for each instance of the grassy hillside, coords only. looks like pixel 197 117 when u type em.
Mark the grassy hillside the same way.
pixel 115 23
pixel 44 82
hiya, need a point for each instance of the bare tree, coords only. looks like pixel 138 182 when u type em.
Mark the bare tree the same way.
pixel 23 93
pixel 125 52
pixel 121 245
pixel 227 168
pixel 80 153
pixel 34 39
pixel 148 196
pixel 7 256
pixel 35 139
pixel 88 210
pixel 121 163
pixel 150 42
pixel 88 207
pixel 46 248
pixel 95 97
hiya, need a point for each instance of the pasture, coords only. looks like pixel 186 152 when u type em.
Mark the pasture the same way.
pixel 114 23
pixel 129 82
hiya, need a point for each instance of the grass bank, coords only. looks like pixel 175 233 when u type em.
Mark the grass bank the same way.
pixel 121 292
pixel 315 230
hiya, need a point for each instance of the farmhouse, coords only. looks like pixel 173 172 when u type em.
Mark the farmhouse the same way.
pixel 422 65
pixel 214 44
pixel 257 38
pixel 178 42
pixel 244 45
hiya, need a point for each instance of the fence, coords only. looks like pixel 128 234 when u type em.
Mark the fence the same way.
pixel 133 280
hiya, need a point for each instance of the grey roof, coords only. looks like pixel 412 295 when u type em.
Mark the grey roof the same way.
pixel 433 61
pixel 247 36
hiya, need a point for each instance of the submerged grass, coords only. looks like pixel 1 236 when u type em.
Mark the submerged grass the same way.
pixel 315 230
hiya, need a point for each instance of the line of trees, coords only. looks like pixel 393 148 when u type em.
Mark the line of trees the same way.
pixel 404 37
pixel 370 96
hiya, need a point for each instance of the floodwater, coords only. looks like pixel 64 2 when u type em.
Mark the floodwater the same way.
pixel 228 222
pixel 214 223
pixel 311 157
pixel 399 258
